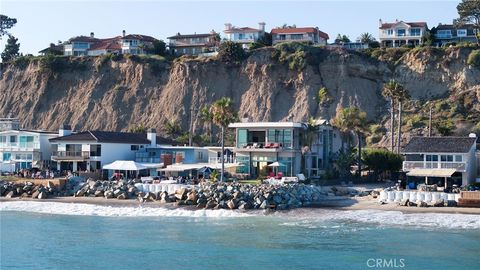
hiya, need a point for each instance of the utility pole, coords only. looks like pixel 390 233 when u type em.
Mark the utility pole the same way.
pixel 191 128
pixel 430 122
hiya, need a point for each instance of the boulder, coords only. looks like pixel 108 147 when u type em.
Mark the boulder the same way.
pixel 192 196
pixel 122 196
pixel 421 203
pixel 10 194
pixel 108 194
pixel 42 195
pixel 231 204
pixel 403 202
pixel 35 194
pixel 263 205
pixel 210 204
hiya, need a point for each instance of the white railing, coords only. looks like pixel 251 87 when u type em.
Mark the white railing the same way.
pixel 219 160
pixel 409 165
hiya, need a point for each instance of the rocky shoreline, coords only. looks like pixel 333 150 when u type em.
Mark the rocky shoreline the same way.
pixel 203 196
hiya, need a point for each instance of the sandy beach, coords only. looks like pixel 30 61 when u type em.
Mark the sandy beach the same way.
pixel 337 203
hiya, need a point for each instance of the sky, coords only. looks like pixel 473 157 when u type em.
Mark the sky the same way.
pixel 43 22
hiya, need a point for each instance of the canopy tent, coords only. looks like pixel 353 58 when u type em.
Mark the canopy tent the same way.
pixel 152 165
pixel 276 164
pixel 432 172
pixel 196 166
pixel 125 165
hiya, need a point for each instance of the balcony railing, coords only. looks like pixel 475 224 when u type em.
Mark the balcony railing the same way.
pixel 409 165
pixel 70 155
pixel 219 160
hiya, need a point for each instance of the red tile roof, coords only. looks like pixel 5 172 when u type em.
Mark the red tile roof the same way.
pixel 300 30
pixel 241 29
pixel 110 44
pixel 140 37
pixel 83 39
pixel 411 24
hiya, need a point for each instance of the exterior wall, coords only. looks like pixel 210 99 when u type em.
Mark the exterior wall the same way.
pixel 444 36
pixel 243 37
pixel 327 142
pixel 471 170
pixel 305 37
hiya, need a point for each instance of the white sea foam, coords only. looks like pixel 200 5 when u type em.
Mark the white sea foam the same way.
pixel 79 209
pixel 306 218
pixel 388 218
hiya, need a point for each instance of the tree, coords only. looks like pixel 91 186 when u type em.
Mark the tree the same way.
pixel 366 38
pixel 172 128
pixel 5 24
pixel 445 128
pixel 11 49
pixel 231 52
pixel 469 12
pixel 342 39
pixel 264 41
pixel 139 129
pixel 221 114
pixel 389 90
pixel 401 95
pixel 380 161
pixel 344 160
pixel 354 120
pixel 159 47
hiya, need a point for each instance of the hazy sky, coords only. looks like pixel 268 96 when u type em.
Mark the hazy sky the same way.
pixel 43 22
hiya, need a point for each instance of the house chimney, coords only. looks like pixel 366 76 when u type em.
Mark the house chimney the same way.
pixel 380 22
pixel 92 35
pixel 228 26
pixel 152 137
pixel 261 26
pixel 123 33
pixel 64 130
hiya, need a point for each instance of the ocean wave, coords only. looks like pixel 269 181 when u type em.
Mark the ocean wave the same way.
pixel 310 217
pixel 81 209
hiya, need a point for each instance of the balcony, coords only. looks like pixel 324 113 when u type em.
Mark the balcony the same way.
pixel 409 165
pixel 19 146
pixel 70 155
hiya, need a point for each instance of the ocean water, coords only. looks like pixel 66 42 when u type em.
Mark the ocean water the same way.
pixel 50 235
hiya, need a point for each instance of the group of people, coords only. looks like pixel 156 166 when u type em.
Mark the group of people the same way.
pixel 35 174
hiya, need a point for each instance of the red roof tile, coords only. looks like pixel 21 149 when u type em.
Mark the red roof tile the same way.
pixel 140 37
pixel 299 30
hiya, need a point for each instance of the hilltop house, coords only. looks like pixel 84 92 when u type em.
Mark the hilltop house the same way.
pixel 244 35
pixel 440 159
pixel 89 45
pixel 401 33
pixel 445 34
pixel 194 44
pixel 91 150
pixel 23 148
pixel 299 34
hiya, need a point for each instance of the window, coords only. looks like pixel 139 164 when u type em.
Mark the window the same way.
pixel 3 141
pixel 134 147
pixel 458 158
pixel 415 32
pixel 444 33
pixel 26 141
pixel 401 32
pixel 314 162
pixel 296 36
pixel 390 32
pixel 95 150
pixel 7 156
pixel 446 158
pixel 13 139
pixel 432 158
pixel 241 137
pixel 200 155
pixel 462 32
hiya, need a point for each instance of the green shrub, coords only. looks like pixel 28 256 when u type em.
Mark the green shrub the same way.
pixel 474 58
pixel 323 97
pixel 231 52
pixel 52 63
pixel 445 127
pixel 22 62
pixel 415 121
pixel 381 160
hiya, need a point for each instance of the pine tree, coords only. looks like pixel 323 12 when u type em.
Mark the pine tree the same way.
pixel 11 49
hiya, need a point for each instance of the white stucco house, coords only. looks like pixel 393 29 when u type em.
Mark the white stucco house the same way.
pixel 401 33
pixel 23 148
pixel 244 35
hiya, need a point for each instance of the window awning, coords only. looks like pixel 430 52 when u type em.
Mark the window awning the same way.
pixel 432 172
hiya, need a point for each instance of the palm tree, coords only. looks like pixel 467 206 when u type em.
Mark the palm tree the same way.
pixel 366 38
pixel 354 120
pixel 389 91
pixel 221 114
pixel 401 96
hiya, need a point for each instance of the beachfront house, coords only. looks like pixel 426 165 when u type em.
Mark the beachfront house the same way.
pixel 440 159
pixel 91 46
pixel 299 34
pixel 89 151
pixel 445 34
pixel 401 33
pixel 324 142
pixel 260 144
pixel 244 35
pixel 23 148
pixel 194 44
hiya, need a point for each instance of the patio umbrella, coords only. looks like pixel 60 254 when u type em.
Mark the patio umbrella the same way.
pixel 125 165
pixel 274 165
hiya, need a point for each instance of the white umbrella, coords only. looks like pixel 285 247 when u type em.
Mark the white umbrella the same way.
pixel 276 164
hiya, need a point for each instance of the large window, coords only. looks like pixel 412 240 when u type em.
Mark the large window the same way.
pixel 26 141
pixel 3 141
pixel 401 32
pixel 242 136
pixel 7 156
pixel 95 150
pixel 296 36
pixel 390 32
pixel 245 164
pixel 13 140
pixel 446 158
pixel 458 158
pixel 462 32
pixel 415 32
pixel 432 158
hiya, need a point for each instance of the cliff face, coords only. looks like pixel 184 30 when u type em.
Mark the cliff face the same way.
pixel 122 94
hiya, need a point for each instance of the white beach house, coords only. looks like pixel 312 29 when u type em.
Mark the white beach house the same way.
pixel 299 34
pixel 244 35
pixel 23 148
pixel 401 33
pixel 440 158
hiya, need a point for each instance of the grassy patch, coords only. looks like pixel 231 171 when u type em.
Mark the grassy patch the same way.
pixel 474 58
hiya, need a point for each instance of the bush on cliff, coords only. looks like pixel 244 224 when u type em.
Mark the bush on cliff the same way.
pixel 231 52
pixel 474 58
pixel 58 64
